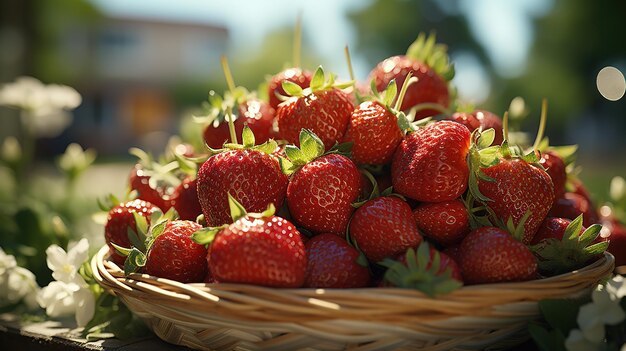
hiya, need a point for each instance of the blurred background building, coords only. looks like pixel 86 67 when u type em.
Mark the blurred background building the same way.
pixel 140 65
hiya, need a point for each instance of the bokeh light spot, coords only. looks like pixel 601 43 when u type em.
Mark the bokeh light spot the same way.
pixel 611 83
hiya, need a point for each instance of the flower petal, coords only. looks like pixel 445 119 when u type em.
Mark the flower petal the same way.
pixel 78 253
pixel 85 306
pixel 56 257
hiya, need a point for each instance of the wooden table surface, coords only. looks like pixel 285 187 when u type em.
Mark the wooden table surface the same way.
pixel 61 336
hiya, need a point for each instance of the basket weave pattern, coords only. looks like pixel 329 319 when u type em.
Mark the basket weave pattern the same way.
pixel 246 317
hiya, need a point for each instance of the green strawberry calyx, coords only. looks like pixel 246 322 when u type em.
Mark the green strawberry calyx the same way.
pixel 311 148
pixel 417 275
pixel 205 236
pixel 387 96
pixel 142 237
pixel 319 82
pixel 435 55
pixel 572 252
pixel 162 174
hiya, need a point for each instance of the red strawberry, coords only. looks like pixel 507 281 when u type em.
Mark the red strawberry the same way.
pixel 429 63
pixel 275 86
pixel 253 177
pixel 333 263
pixel 481 119
pixel 376 128
pixel 139 181
pixel 555 167
pixel 323 108
pixel 185 199
pixel 491 255
pixel 454 252
pixel 384 227
pixel 121 218
pixel 256 114
pixel 430 163
pixel 517 190
pixel 571 205
pixel 174 255
pixel 427 270
pixel 374 132
pixel 321 193
pixel 260 249
pixel 444 222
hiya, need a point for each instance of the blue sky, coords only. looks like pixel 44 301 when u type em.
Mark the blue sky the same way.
pixel 503 27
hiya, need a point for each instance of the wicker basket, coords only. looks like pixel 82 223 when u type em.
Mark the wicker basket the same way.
pixel 245 317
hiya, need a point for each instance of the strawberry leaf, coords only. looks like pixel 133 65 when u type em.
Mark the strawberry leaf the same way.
pixel 121 250
pixel 292 88
pixel 317 81
pixel 286 166
pixel 597 249
pixel 295 155
pixel 486 138
pixel 206 236
pixel 311 145
pixel 248 137
pixel 343 85
pixel 236 209
pixel 267 147
pixel 135 260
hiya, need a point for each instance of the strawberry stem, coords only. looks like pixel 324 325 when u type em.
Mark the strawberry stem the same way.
pixel 231 125
pixel 297 41
pixel 349 62
pixel 407 81
pixel 542 123
pixel 228 75
pixel 505 125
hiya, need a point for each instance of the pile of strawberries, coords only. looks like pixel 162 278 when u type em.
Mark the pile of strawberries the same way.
pixel 334 185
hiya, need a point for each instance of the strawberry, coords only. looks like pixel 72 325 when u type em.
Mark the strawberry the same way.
pixel 260 249
pixel 322 108
pixel 333 263
pixel 617 241
pixel 376 128
pixel 429 63
pixel 444 222
pixel 519 191
pixel 384 227
pixel 248 111
pixel 120 218
pixel 424 269
pixel 251 176
pixel 555 167
pixel 571 205
pixel 275 86
pixel 481 119
pixel 562 245
pixel 492 255
pixel 322 187
pixel 157 194
pixel 185 199
pixel 515 191
pixel 430 163
pixel 174 255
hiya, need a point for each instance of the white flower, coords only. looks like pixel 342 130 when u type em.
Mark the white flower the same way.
pixel 616 287
pixel 604 309
pixel 16 283
pixel 576 341
pixel 69 294
pixel 64 265
pixel 44 106
pixel 64 299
